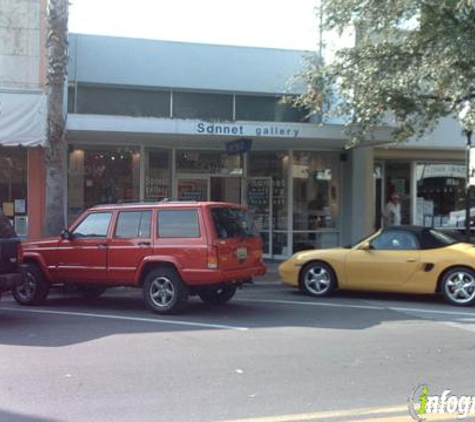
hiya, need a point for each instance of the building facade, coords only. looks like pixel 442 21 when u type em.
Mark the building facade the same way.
pixel 152 119
pixel 149 120
pixel 429 175
pixel 23 113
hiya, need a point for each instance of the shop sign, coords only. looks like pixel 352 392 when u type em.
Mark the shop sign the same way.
pixel 444 170
pixel 239 146
pixel 247 130
pixel 22 118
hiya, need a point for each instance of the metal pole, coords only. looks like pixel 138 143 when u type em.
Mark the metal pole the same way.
pixel 467 185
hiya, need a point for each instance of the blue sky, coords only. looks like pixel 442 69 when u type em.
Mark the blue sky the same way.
pixel 262 23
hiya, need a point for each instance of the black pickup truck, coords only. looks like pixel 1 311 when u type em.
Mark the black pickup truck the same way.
pixel 10 256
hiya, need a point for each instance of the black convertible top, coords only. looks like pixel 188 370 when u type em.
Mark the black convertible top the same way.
pixel 429 238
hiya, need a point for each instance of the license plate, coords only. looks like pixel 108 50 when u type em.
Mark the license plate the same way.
pixel 241 253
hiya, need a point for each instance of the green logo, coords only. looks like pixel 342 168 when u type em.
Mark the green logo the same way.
pixel 417 402
pixel 421 403
pixel 423 400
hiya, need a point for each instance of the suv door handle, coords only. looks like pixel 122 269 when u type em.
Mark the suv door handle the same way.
pixel 411 260
pixel 144 243
pixel 102 245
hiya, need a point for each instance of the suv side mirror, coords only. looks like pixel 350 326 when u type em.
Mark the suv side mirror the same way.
pixel 366 246
pixel 66 234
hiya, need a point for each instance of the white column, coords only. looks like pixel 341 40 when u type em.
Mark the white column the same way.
pixel 142 174
pixel 361 215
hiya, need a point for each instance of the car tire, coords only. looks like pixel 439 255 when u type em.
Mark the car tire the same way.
pixel 164 291
pixel 217 296
pixel 458 286
pixel 318 279
pixel 34 289
pixel 91 292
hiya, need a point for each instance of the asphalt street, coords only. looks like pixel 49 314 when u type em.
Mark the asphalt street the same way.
pixel 270 355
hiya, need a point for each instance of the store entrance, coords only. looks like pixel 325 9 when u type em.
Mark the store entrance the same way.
pixel 225 189
pixel 210 188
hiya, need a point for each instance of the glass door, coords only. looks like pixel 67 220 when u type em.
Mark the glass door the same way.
pixel 259 202
pixel 193 188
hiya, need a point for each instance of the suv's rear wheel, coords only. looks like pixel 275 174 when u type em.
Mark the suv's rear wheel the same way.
pixel 216 296
pixel 164 291
pixel 91 292
pixel 34 289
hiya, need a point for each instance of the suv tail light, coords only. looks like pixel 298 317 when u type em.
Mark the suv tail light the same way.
pixel 213 257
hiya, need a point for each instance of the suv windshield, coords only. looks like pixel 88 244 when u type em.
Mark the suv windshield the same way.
pixel 6 229
pixel 232 223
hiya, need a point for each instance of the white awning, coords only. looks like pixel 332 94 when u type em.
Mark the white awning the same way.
pixel 23 117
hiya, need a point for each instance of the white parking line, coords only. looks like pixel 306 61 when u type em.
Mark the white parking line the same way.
pixel 371 307
pixel 125 318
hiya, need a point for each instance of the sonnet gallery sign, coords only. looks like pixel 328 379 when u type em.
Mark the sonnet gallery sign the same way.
pixel 247 130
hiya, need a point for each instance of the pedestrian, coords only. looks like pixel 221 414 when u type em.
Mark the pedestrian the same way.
pixel 392 211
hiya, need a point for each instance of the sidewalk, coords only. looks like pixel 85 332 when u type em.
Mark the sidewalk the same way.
pixel 272 274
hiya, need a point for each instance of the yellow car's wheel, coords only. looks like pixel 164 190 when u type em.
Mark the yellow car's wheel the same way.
pixel 458 286
pixel 318 279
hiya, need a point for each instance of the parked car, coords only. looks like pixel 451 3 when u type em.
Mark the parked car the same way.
pixel 405 259
pixel 10 256
pixel 169 249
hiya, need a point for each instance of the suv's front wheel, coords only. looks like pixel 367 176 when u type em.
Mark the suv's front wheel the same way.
pixel 34 289
pixel 164 291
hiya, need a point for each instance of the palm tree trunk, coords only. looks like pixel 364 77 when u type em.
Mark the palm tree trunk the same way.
pixel 55 157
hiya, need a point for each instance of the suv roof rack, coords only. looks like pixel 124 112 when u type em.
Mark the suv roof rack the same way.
pixel 132 203
pixel 120 204
pixel 178 200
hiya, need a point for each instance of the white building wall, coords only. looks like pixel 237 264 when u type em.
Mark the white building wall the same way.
pixel 167 64
pixel 20 44
pixel 447 135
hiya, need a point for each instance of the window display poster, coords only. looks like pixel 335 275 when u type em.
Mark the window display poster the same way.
pixel 21 225
pixel 400 186
pixel 20 206
pixel 8 209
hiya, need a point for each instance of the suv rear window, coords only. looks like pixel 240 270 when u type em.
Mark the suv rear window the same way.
pixel 6 229
pixel 178 223
pixel 232 223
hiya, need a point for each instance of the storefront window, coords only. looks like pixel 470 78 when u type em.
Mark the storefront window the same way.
pixel 208 162
pixel 267 198
pixel 102 175
pixel 267 109
pixel 115 101
pixel 157 175
pixel 440 195
pixel 316 196
pixel 13 186
pixel 315 240
pixel 199 105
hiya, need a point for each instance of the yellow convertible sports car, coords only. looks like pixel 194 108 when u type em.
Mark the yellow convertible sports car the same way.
pixel 405 259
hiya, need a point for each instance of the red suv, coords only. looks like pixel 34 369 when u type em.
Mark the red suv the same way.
pixel 169 249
